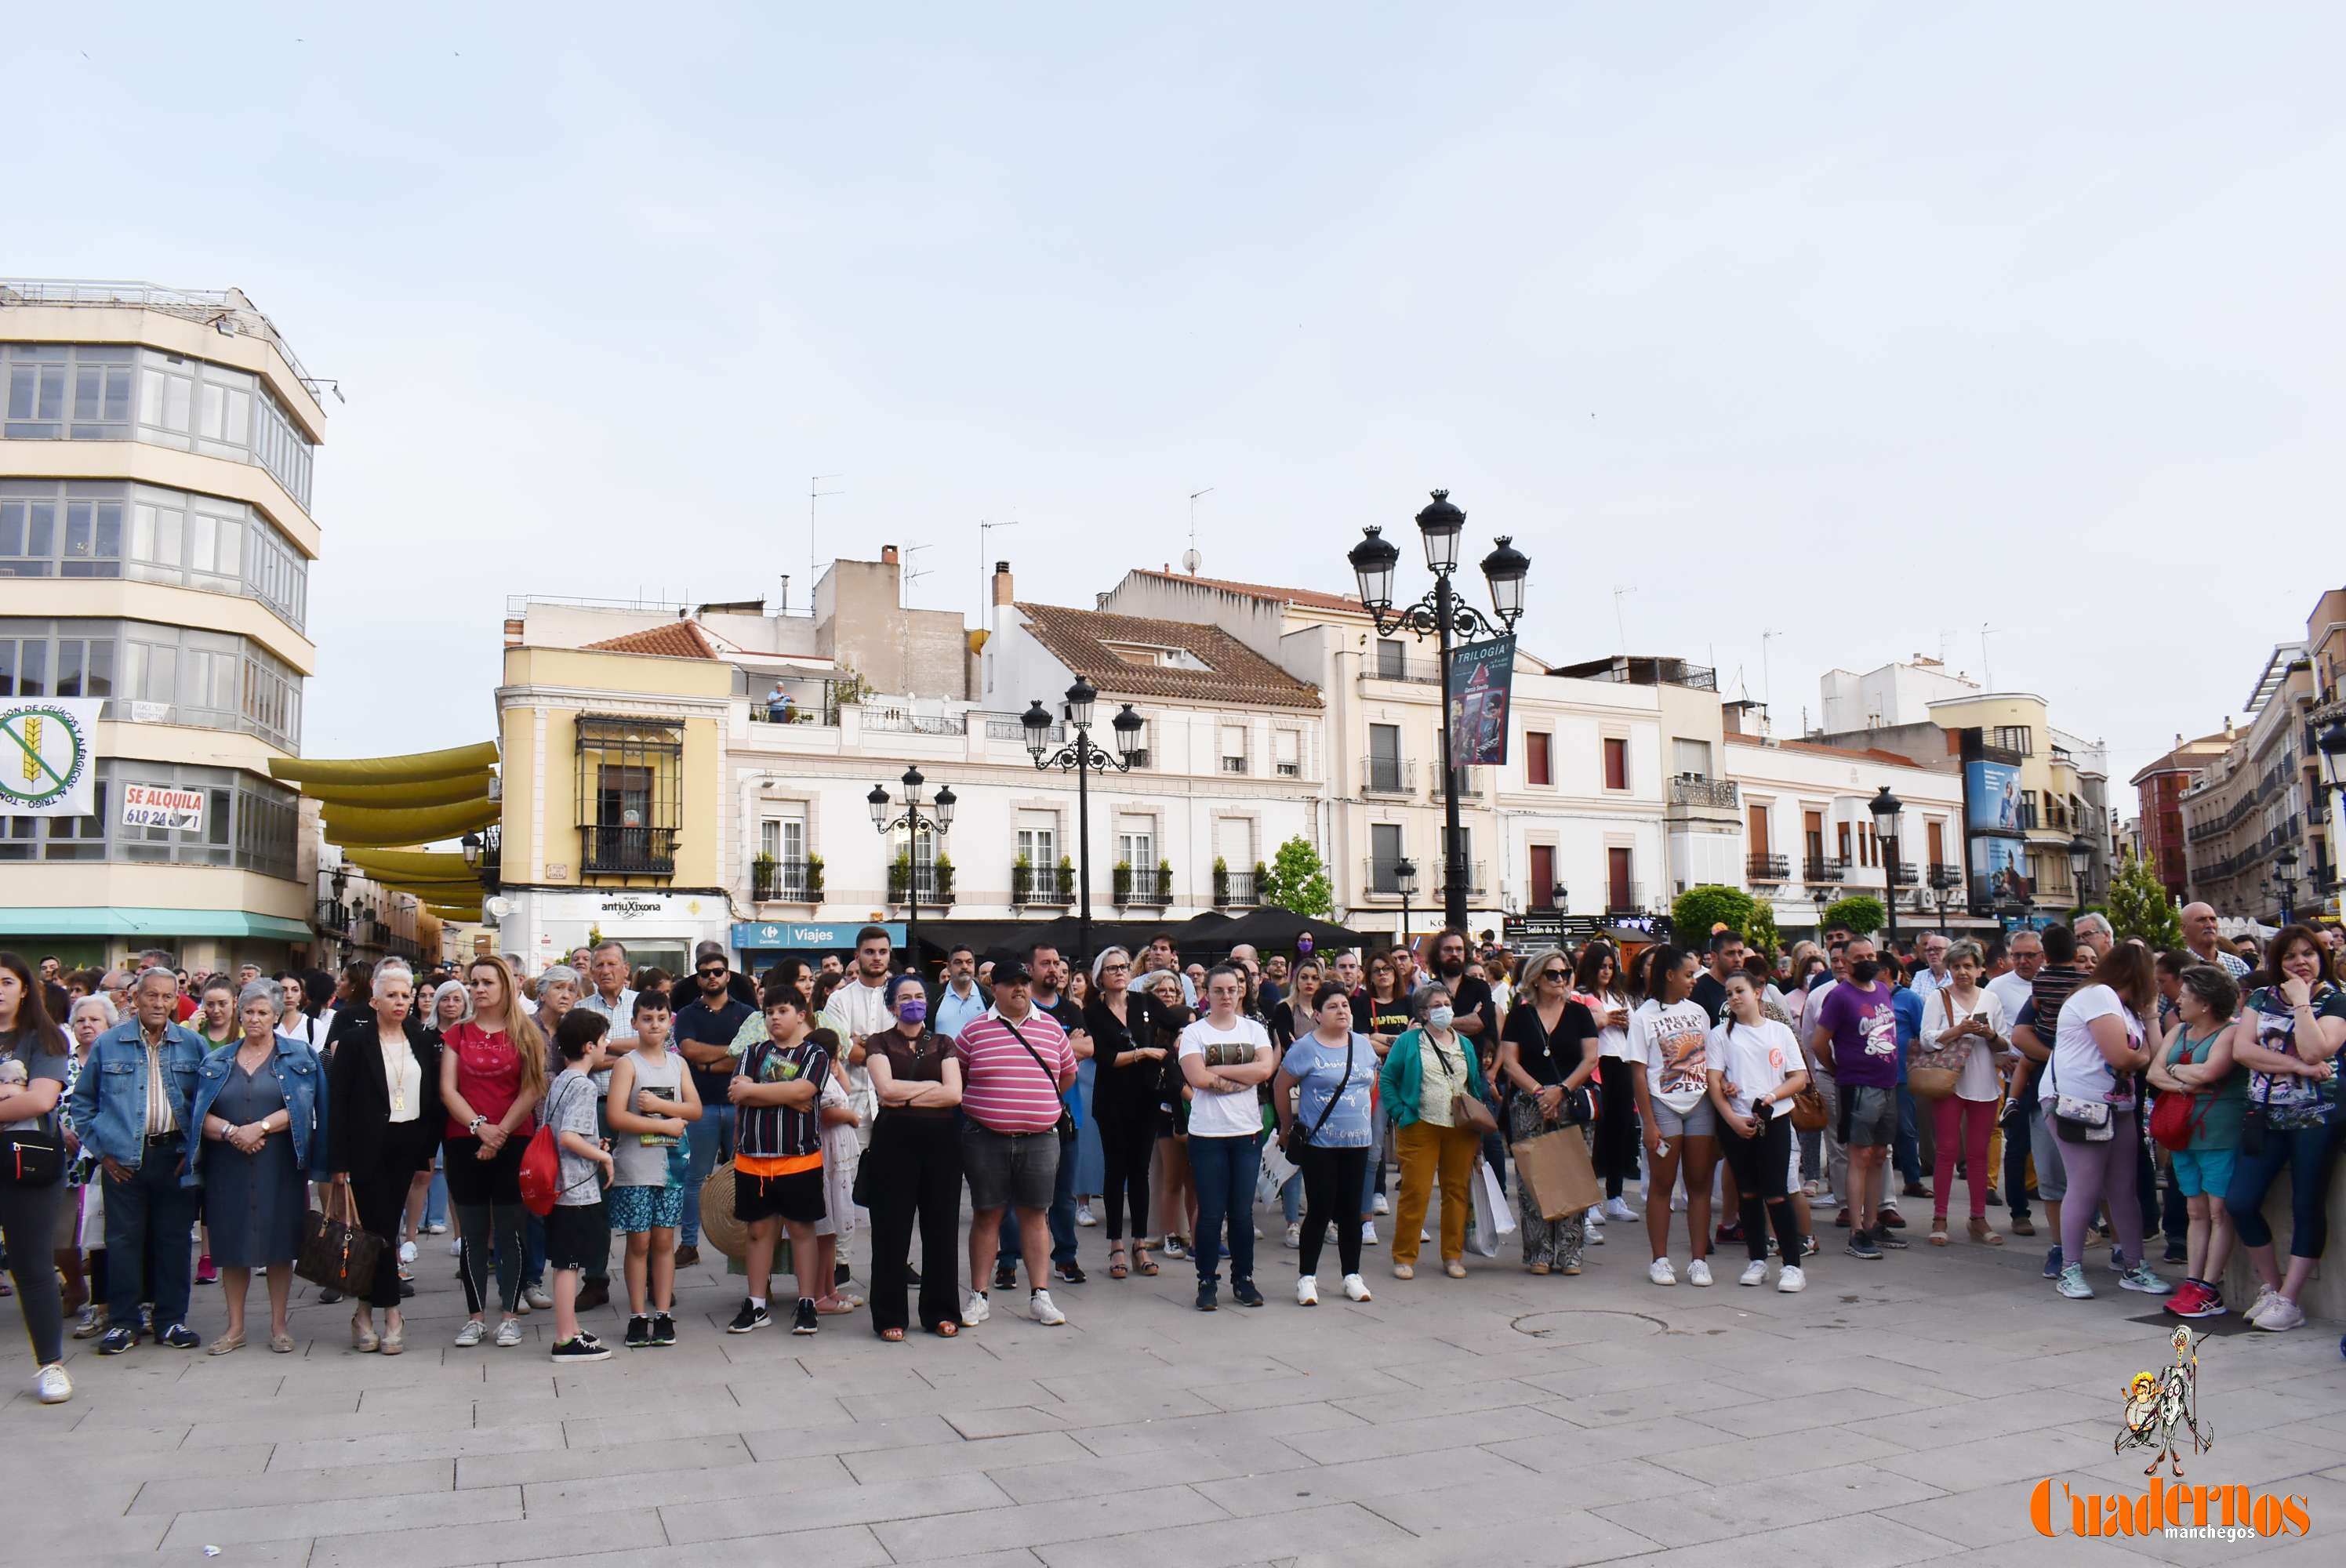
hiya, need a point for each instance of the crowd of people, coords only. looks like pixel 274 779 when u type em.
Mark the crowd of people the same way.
pixel 158 1134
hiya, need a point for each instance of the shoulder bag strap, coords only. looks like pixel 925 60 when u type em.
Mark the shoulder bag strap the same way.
pixel 1051 1077
pixel 1329 1108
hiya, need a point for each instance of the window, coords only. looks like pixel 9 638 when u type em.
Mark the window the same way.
pixel 1392 659
pixel 50 528
pixel 1757 828
pixel 1385 856
pixel 1841 834
pixel 1542 894
pixel 1537 767
pixel 630 787
pixel 1617 762
pixel 1620 889
pixel 1038 838
pixel 2020 738
pixel 1935 834
pixel 1234 748
pixel 1690 756
pixel 248 823
pixel 1385 774
pixel 1812 834
pixel 1287 752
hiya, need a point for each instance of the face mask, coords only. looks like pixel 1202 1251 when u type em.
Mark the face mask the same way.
pixel 1864 970
pixel 913 1011
pixel 1440 1017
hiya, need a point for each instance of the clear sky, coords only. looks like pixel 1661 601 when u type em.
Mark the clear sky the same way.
pixel 1866 324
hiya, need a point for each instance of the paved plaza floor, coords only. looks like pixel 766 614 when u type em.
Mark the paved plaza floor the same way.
pixel 1899 1412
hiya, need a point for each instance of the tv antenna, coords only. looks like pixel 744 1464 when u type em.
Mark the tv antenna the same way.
pixel 1193 560
pixel 1620 623
pixel 1766 637
pixel 814 546
pixel 986 572
pixel 1987 681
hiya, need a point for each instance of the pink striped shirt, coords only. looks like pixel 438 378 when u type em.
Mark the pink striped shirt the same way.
pixel 1002 1089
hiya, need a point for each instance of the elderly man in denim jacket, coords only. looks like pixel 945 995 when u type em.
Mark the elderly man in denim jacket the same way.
pixel 130 1106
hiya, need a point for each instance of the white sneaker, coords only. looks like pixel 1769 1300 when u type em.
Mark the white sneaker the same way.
pixel 1592 1234
pixel 51 1385
pixel 537 1296
pixel 2281 1315
pixel 1045 1310
pixel 471 1334
pixel 1754 1273
pixel 1307 1291
pixel 1355 1288
pixel 1084 1216
pixel 1791 1280
pixel 976 1310
pixel 457 1247
pixel 1699 1272
pixel 1661 1273
pixel 1619 1209
pixel 441 1229
pixel 1678 1202
pixel 1369 1233
pixel 1295 1235
pixel 2266 1296
pixel 508 1333
pixel 407 1252
pixel 1380 1205
pixel 1423 1236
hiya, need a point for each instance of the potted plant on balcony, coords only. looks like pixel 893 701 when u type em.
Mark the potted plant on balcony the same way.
pixel 1022 875
pixel 761 877
pixel 942 872
pixel 1221 881
pixel 1067 879
pixel 1163 881
pixel 814 879
pixel 900 876
pixel 1122 882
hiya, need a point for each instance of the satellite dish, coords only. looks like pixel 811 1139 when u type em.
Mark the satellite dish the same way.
pixel 1192 561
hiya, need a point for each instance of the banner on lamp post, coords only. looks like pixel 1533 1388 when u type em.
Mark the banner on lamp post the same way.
pixel 48 754
pixel 1482 678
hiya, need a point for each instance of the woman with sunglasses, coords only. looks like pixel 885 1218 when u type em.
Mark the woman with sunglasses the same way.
pixel 1597 985
pixel 1130 1066
pixel 1548 1050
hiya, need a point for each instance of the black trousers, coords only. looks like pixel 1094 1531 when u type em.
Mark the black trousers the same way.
pixel 1615 1155
pixel 1761 1167
pixel 914 1173
pixel 1128 1139
pixel 1332 1180
pixel 28 1223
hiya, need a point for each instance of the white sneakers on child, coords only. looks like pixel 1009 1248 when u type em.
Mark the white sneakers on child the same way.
pixel 1661 1273
pixel 1699 1272
pixel 1755 1272
pixel 976 1310
pixel 1046 1311
pixel 1307 1291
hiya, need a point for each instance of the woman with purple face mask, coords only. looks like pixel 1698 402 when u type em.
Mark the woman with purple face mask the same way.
pixel 914 1170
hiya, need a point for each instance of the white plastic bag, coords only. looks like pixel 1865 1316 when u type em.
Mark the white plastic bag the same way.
pixel 1274 1173
pixel 1494 1216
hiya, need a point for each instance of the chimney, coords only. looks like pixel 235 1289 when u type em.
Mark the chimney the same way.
pixel 887 554
pixel 1001 586
pixel 513 631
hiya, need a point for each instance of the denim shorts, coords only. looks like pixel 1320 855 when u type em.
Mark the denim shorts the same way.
pixel 1009 1170
pixel 634 1209
pixel 1696 1121
pixel 2044 1151
pixel 2202 1172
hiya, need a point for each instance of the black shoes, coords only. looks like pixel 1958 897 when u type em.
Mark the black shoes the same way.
pixel 1005 1276
pixel 585 1348
pixel 663 1330
pixel 1243 1292
pixel 179 1337
pixel 751 1315
pixel 639 1334
pixel 1206 1302
pixel 1861 1244
pixel 805 1321
pixel 1069 1272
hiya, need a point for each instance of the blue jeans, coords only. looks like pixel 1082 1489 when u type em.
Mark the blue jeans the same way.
pixel 1905 1152
pixel 1223 1169
pixel 1061 1215
pixel 435 1201
pixel 2308 1152
pixel 708 1141
pixel 150 1214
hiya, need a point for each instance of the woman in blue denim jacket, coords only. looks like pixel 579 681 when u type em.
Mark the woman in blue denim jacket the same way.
pixel 257 1131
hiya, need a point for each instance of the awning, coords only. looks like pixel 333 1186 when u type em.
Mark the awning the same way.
pixel 435 866
pixel 471 786
pixel 117 921
pixel 386 770
pixel 354 826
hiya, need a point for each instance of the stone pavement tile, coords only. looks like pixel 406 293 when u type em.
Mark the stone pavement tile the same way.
pixel 1167 1512
pixel 1964 1420
pixel 1368 1480
pixel 251 1554
pixel 1561 1540
pixel 174 1493
pixel 139 1465
pixel 1776 1416
pixel 1857 1540
pixel 1642 1369
pixel 1989 1463
pixel 1114 1373
pixel 963 1458
pixel 486 1505
pixel 297 1423
pixel 1286 1423
pixel 1453 1400
pixel 847 1546
pixel 395 1447
pixel 926 1400
pixel 895 1500
pixel 1727 1463
pixel 1688 1396
pixel 1340 1529
pixel 1698 1513
pixel 1509 1497
pixel 2242 1456
pixel 1361 1440
pixel 32 1539
pixel 513 1541
pixel 197 1407
pixel 848 1437
pixel 588 1490
pixel 707 1421
pixel 1553 1453
pixel 1337 1384
pixel 562 1463
pixel 1982 1516
pixel 1089 1477
pixel 1138 1401
pixel 1013 1420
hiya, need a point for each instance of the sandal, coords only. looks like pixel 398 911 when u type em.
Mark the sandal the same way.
pixel 947 1328
pixel 834 1306
pixel 1939 1231
pixel 1116 1268
pixel 1142 1262
pixel 224 1344
pixel 893 1335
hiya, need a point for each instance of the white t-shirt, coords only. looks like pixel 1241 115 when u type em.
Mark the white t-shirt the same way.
pixel 2014 992
pixel 2078 1070
pixel 1814 1010
pixel 1977 1079
pixel 1218 1116
pixel 857 1011
pixel 1669 1042
pixel 1755 1058
pixel 1610 1042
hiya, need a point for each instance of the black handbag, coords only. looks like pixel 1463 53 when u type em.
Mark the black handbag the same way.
pixel 31 1159
pixel 337 1253
pixel 2252 1124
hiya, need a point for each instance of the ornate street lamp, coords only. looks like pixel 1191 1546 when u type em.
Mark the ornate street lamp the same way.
pixel 1083 755
pixel 1889 814
pixel 918 814
pixel 1405 878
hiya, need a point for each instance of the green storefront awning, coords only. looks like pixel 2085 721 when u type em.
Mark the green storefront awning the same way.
pixel 105 921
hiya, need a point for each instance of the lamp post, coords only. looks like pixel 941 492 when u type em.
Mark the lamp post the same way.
pixel 1442 615
pixel 1888 811
pixel 1082 754
pixel 2081 860
pixel 939 816
pixel 1405 879
pixel 2332 743
pixel 2285 875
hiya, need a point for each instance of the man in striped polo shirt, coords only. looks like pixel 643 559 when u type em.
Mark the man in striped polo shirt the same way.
pixel 1016 1063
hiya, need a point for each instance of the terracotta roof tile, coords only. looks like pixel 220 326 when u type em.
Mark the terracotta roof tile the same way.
pixel 1234 673
pixel 1312 597
pixel 677 639
pixel 1874 753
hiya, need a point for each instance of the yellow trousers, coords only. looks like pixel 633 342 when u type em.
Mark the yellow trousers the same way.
pixel 1428 1152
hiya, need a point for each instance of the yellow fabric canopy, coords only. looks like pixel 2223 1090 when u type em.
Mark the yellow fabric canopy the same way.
pixel 427 866
pixel 471 786
pixel 455 912
pixel 413 765
pixel 362 827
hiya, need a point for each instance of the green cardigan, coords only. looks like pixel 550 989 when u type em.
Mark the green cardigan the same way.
pixel 1401 1081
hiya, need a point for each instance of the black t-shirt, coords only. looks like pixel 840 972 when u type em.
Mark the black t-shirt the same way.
pixel 1550 1058
pixel 1134 1085
pixel 706 1025
pixel 1371 1016
pixel 1468 994
pixel 1709 993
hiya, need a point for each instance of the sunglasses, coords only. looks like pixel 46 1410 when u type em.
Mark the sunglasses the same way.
pixel 1553 975
pixel 712 973
pixel 1114 968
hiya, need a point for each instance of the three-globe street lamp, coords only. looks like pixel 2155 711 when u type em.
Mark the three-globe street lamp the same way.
pixel 1442 615
pixel 1889 817
pixel 913 820
pixel 1085 756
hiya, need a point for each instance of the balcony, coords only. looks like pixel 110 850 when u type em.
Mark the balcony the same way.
pixel 1766 868
pixel 626 852
pixel 1234 765
pixel 1233 889
pixel 1477 883
pixel 785 882
pixel 934 885
pixel 1625 897
pixel 1716 794
pixel 1388 775
pixel 1901 874
pixel 1142 886
pixel 1033 885
pixel 1824 869
pixel 1392 664
pixel 2025 817
pixel 1381 879
pixel 1944 876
